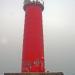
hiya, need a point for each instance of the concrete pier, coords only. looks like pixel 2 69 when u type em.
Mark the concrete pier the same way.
pixel 33 73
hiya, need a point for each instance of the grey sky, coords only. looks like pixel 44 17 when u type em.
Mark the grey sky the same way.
pixel 59 35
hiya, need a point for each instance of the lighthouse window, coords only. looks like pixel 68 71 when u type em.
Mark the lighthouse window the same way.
pixel 37 62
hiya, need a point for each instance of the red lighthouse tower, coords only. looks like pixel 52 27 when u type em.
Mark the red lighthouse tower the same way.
pixel 33 46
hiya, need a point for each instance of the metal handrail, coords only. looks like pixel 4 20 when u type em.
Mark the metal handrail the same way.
pixel 33 1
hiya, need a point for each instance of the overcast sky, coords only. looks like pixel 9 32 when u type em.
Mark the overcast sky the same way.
pixel 59 35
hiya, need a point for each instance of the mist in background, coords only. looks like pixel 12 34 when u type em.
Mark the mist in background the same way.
pixel 59 35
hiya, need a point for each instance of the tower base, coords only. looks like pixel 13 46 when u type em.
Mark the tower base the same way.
pixel 33 73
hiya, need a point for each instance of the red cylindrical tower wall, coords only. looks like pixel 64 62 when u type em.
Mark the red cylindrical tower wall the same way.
pixel 33 45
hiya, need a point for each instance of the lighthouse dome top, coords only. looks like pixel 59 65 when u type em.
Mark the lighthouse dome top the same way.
pixel 40 2
pixel 32 1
